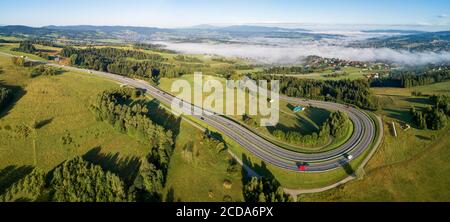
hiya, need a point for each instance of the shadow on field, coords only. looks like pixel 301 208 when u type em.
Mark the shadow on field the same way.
pixel 12 174
pixel 164 118
pixel 425 101
pixel 170 196
pixel 259 169
pixel 423 137
pixel 262 170
pixel 402 115
pixel 43 123
pixel 126 168
pixel 347 167
pixel 18 93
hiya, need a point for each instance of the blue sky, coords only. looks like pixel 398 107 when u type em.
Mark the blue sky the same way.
pixel 178 13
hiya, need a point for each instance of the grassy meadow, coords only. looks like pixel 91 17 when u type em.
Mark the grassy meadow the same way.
pixel 200 175
pixel 306 122
pixel 411 167
pixel 60 104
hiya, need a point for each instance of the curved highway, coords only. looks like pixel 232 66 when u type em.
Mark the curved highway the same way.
pixel 361 140
pixel 363 136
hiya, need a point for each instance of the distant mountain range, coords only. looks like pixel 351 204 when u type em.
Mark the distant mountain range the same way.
pixel 146 33
pixel 423 41
pixel 405 39
pixel 245 28
pixel 394 31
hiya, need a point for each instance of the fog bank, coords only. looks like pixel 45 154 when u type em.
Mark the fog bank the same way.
pixel 292 54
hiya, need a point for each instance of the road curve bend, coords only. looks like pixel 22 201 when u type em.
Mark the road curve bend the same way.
pixel 363 136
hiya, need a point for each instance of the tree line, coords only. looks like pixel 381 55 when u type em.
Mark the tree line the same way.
pixel 433 117
pixel 124 62
pixel 74 181
pixel 265 190
pixel 26 47
pixel 119 108
pixel 77 180
pixel 412 77
pixel 336 126
pixel 288 70
pixel 356 92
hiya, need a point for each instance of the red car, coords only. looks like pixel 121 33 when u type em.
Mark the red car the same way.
pixel 302 167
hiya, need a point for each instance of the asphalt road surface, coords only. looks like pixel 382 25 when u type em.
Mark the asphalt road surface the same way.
pixel 361 140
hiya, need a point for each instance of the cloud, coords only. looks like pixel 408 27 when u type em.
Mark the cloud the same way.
pixel 294 53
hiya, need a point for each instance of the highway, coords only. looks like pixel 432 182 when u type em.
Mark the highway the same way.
pixel 361 140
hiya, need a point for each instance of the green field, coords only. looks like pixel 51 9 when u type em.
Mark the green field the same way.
pixel 306 122
pixel 61 104
pixel 352 73
pixel 199 177
pixel 289 179
pixel 412 167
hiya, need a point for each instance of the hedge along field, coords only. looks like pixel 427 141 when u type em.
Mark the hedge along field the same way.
pixel 66 126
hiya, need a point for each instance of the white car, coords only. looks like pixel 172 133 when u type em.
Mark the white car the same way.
pixel 349 157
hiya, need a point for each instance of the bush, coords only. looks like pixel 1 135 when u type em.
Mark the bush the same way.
pixel 45 71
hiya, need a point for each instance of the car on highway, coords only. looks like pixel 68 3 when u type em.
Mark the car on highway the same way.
pixel 302 166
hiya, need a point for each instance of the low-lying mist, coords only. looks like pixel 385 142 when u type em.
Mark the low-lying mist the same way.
pixel 295 52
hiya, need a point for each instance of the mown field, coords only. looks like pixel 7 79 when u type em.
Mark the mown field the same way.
pixel 412 167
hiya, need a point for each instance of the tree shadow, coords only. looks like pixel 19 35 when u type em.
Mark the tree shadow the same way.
pixel 420 100
pixel 347 167
pixel 162 117
pixel 217 136
pixel 402 115
pixel 12 174
pixel 43 123
pixel 18 93
pixel 126 168
pixel 423 137
pixel 259 169
pixel 170 196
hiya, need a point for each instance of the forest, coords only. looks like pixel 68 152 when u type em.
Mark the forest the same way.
pixel 124 62
pixel 356 92
pixel 408 78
